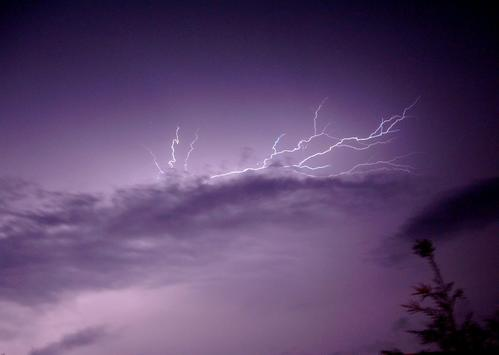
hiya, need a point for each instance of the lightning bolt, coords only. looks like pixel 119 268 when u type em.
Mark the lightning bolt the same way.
pixel 383 129
pixel 173 159
pixel 381 135
pixel 380 165
pixel 316 114
pixel 155 160
pixel 191 149
pixel 175 141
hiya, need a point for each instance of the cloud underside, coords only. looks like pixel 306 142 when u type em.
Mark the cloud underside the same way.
pixel 81 338
pixel 467 208
pixel 52 242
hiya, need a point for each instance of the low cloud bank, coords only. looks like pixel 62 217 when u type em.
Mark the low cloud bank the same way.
pixel 473 206
pixel 53 242
pixel 81 338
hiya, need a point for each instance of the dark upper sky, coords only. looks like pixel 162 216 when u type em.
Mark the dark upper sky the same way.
pixel 100 253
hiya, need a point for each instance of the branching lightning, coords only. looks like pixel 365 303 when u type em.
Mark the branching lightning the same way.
pixel 316 114
pixel 380 165
pixel 307 164
pixel 191 149
pixel 175 141
pixel 155 160
pixel 383 134
pixel 173 158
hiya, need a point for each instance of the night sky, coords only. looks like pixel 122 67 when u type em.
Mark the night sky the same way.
pixel 241 177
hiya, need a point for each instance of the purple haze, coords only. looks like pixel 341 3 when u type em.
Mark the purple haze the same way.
pixel 100 255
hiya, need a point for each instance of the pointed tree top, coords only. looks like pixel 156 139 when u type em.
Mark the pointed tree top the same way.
pixel 423 248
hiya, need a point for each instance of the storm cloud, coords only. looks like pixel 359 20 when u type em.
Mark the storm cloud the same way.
pixel 473 206
pixel 64 242
pixel 71 341
pixel 116 113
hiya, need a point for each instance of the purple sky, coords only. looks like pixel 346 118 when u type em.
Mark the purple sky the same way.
pixel 101 254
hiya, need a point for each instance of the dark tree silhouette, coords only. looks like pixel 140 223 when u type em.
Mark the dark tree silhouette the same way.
pixel 442 329
pixel 437 301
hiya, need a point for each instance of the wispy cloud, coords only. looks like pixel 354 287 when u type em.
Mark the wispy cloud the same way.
pixel 471 207
pixel 84 241
pixel 81 338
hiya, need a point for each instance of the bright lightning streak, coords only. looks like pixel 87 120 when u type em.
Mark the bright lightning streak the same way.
pixel 316 114
pixel 175 141
pixel 368 141
pixel 191 149
pixel 381 135
pixel 173 160
pixel 301 143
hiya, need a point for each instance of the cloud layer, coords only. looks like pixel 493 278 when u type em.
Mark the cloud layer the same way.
pixel 264 264
pixel 62 242
pixel 470 207
pixel 71 341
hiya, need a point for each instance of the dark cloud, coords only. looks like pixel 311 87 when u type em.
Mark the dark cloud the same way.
pixel 83 241
pixel 473 206
pixel 84 337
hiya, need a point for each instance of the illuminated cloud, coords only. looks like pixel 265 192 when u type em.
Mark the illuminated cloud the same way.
pixel 71 341
pixel 85 241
